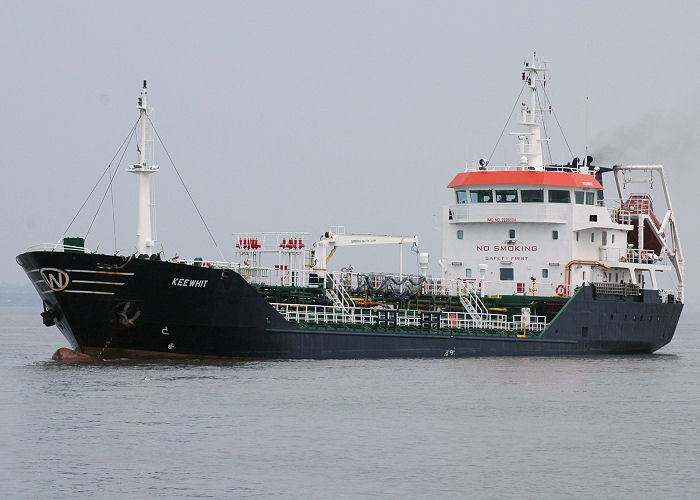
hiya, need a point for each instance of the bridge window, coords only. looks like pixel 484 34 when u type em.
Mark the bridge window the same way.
pixel 460 234
pixel 461 197
pixel 555 235
pixel 532 195
pixel 469 272
pixel 480 196
pixel 559 196
pixel 511 234
pixel 545 273
pixel 590 198
pixel 612 238
pixel 507 274
pixel 592 237
pixel 506 196
pixel 576 235
pixel 579 196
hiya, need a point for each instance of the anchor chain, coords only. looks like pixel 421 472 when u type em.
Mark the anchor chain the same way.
pixel 109 341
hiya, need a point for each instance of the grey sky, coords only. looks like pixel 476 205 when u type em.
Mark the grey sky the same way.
pixel 303 115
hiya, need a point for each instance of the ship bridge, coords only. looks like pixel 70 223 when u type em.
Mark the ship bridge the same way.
pixel 521 228
pixel 547 232
pixel 546 229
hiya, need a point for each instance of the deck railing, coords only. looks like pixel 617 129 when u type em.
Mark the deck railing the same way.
pixel 633 255
pixel 57 247
pixel 219 264
pixel 626 289
pixel 398 318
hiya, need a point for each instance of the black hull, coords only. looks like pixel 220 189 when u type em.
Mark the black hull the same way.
pixel 111 307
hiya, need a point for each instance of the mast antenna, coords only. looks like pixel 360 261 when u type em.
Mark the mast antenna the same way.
pixel 585 132
pixel 531 141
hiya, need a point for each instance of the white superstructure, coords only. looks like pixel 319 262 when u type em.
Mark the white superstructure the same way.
pixel 544 230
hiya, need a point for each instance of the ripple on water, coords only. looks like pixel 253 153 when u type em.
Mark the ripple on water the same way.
pixel 485 428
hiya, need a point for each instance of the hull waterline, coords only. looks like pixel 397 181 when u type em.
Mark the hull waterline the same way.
pixel 114 307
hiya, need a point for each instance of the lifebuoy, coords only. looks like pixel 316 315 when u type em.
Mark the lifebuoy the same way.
pixel 561 290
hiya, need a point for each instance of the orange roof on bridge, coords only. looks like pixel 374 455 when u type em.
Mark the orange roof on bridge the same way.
pixel 525 177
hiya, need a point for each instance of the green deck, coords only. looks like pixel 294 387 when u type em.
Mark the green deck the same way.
pixel 508 305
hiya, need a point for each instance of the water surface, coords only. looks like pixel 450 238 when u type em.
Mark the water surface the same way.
pixel 582 427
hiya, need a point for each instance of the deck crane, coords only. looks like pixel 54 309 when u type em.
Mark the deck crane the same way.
pixel 329 242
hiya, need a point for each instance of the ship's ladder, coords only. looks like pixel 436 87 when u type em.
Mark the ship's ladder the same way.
pixel 471 301
pixel 339 294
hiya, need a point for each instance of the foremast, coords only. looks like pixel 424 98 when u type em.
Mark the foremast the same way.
pixel 145 240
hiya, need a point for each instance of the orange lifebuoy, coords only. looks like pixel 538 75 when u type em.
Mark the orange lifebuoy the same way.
pixel 561 290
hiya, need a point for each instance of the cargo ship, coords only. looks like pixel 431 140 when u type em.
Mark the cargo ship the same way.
pixel 535 260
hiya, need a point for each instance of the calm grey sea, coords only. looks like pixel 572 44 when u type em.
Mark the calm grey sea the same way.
pixel 596 427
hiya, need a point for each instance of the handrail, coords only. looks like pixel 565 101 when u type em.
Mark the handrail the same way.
pixel 624 289
pixel 549 168
pixel 338 293
pixel 218 264
pixel 315 314
pixel 52 247
pixel 470 300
